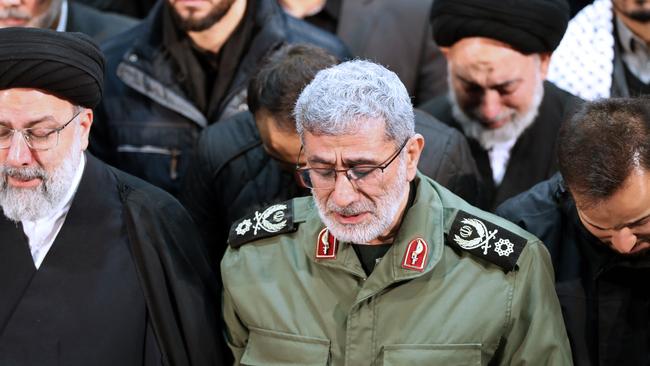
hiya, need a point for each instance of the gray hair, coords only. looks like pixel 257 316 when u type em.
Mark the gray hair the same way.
pixel 340 96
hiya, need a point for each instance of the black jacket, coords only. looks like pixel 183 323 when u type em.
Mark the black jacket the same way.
pixel 146 125
pixel 97 24
pixel 171 275
pixel 604 296
pixel 231 175
pixel 532 158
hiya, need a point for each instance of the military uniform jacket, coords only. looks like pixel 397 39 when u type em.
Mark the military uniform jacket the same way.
pixel 302 297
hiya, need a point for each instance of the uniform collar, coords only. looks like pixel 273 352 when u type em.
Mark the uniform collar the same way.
pixel 424 220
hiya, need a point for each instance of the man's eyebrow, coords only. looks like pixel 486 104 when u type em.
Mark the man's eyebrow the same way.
pixel 33 122
pixel 319 160
pixel 346 162
pixel 619 227
pixel 495 86
pixel 635 222
pixel 359 161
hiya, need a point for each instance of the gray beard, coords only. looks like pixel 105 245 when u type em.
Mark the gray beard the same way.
pixel 383 212
pixel 31 204
pixel 487 137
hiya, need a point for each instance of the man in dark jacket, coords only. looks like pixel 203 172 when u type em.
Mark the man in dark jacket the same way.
pixel 184 67
pixel 498 97
pixel 595 221
pixel 248 161
pixel 96 266
pixel 396 34
pixel 63 15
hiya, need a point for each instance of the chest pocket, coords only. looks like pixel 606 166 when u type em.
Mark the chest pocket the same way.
pixel 271 348
pixel 432 354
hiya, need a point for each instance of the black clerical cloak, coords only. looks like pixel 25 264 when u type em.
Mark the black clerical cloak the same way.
pixel 125 276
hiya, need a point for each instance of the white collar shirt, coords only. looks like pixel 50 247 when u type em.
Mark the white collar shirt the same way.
pixel 499 156
pixel 42 232
pixel 63 17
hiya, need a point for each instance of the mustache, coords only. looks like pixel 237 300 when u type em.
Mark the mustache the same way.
pixel 23 173
pixel 13 13
pixel 352 209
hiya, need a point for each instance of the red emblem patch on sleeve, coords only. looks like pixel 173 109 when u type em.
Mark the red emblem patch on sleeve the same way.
pixel 416 254
pixel 326 246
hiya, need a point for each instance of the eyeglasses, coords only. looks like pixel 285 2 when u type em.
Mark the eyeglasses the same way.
pixel 363 176
pixel 37 138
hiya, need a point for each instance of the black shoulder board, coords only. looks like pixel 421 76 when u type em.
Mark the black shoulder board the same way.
pixel 270 221
pixel 486 240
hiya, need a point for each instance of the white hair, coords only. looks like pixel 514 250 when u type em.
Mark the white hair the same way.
pixel 341 96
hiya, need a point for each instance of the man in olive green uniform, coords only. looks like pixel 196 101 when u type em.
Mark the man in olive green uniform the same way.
pixel 382 266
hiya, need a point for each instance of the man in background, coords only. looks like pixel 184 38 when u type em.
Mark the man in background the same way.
pixel 605 51
pixel 63 16
pixel 396 34
pixel 595 220
pixel 498 55
pixel 186 66
pixel 248 161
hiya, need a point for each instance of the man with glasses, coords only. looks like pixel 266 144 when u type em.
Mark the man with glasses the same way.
pixel 382 265
pixel 248 161
pixel 96 266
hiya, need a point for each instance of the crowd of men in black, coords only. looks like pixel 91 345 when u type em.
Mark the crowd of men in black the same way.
pixel 198 99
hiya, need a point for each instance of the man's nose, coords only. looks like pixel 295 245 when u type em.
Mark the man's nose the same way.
pixel 19 153
pixel 344 192
pixel 623 240
pixel 490 105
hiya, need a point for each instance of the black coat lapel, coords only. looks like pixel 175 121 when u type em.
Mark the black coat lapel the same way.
pixel 16 268
pixel 96 197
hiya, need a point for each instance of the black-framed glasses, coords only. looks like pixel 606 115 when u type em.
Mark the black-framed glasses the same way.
pixel 37 138
pixel 362 176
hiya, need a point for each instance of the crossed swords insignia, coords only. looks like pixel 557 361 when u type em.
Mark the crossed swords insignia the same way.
pixel 262 221
pixel 483 239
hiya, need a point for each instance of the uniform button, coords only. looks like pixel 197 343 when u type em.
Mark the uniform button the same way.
pixel 133 57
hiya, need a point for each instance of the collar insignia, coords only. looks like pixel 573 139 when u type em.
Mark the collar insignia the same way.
pixel 416 254
pixel 326 246
pixel 484 239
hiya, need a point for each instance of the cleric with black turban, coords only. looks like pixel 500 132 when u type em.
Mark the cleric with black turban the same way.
pixel 530 26
pixel 498 54
pixel 96 266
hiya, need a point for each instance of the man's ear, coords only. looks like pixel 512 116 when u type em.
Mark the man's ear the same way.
pixel 413 151
pixel 545 61
pixel 85 122
pixel 445 52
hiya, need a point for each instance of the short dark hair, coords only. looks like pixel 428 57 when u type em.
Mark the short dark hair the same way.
pixel 601 145
pixel 281 76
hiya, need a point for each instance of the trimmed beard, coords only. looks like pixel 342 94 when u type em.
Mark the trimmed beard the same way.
pixel 488 137
pixel 383 212
pixel 31 204
pixel 190 24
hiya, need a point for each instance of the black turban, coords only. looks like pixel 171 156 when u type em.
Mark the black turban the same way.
pixel 529 26
pixel 67 65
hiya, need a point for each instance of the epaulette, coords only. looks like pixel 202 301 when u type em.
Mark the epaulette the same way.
pixel 270 221
pixel 486 240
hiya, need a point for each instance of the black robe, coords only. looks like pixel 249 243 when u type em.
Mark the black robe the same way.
pixel 533 158
pixel 125 282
